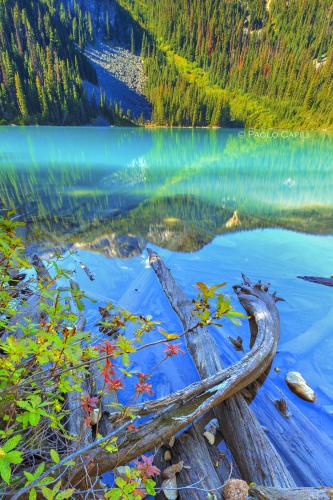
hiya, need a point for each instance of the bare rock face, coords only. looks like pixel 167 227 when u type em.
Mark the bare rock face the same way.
pixel 235 489
pixel 115 245
pixel 298 386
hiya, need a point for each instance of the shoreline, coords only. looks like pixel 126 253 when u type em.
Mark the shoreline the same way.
pixel 185 127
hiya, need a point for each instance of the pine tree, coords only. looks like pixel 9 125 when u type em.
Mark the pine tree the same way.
pixel 21 101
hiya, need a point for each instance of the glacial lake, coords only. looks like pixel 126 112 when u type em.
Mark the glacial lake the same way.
pixel 213 203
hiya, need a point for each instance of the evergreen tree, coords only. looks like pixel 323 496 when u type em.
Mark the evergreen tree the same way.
pixel 20 96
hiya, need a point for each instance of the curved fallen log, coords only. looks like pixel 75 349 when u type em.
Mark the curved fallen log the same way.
pixel 202 461
pixel 176 411
pixel 255 456
pixel 264 493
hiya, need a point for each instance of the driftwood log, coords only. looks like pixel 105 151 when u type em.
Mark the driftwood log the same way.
pixel 317 279
pixel 176 411
pixel 307 450
pixel 266 493
pixel 203 463
pixel 255 456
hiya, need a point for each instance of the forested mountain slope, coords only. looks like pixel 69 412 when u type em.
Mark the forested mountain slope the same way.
pixel 40 68
pixel 270 61
pixel 42 65
pixel 255 63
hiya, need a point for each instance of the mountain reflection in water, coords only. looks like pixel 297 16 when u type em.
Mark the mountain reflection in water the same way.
pixel 112 189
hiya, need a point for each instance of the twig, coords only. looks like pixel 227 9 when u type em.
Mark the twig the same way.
pixel 70 457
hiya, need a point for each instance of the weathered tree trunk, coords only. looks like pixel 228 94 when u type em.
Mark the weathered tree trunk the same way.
pixel 255 456
pixel 174 412
pixel 264 493
pixel 204 465
pixel 200 456
pixel 307 450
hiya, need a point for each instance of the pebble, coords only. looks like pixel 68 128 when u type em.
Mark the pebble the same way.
pixel 298 386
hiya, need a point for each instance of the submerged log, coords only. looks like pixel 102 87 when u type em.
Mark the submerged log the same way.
pixel 204 465
pixel 317 279
pixel 255 456
pixel 264 493
pixel 176 411
pixel 307 450
pixel 310 457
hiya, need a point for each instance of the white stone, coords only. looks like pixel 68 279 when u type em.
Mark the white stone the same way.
pixel 169 487
pixel 298 386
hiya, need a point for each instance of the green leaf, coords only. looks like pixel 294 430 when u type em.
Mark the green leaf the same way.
pixel 69 463
pixel 34 419
pixel 150 487
pixel 48 493
pixel 235 321
pixel 12 443
pixel 32 494
pixel 114 494
pixel 14 457
pixel 46 480
pixel 120 482
pixel 39 470
pixel 126 359
pixel 65 494
pixel 30 477
pixel 5 471
pixel 55 456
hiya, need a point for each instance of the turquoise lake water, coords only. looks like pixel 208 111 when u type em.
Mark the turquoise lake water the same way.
pixel 214 203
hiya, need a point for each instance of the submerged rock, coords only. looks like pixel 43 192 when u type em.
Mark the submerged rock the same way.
pixel 281 405
pixel 235 489
pixel 174 469
pixel 298 386
pixel 169 488
pixel 172 441
pixel 210 431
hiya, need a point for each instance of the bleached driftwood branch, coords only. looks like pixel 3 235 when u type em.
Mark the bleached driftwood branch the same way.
pixel 174 412
pixel 254 454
